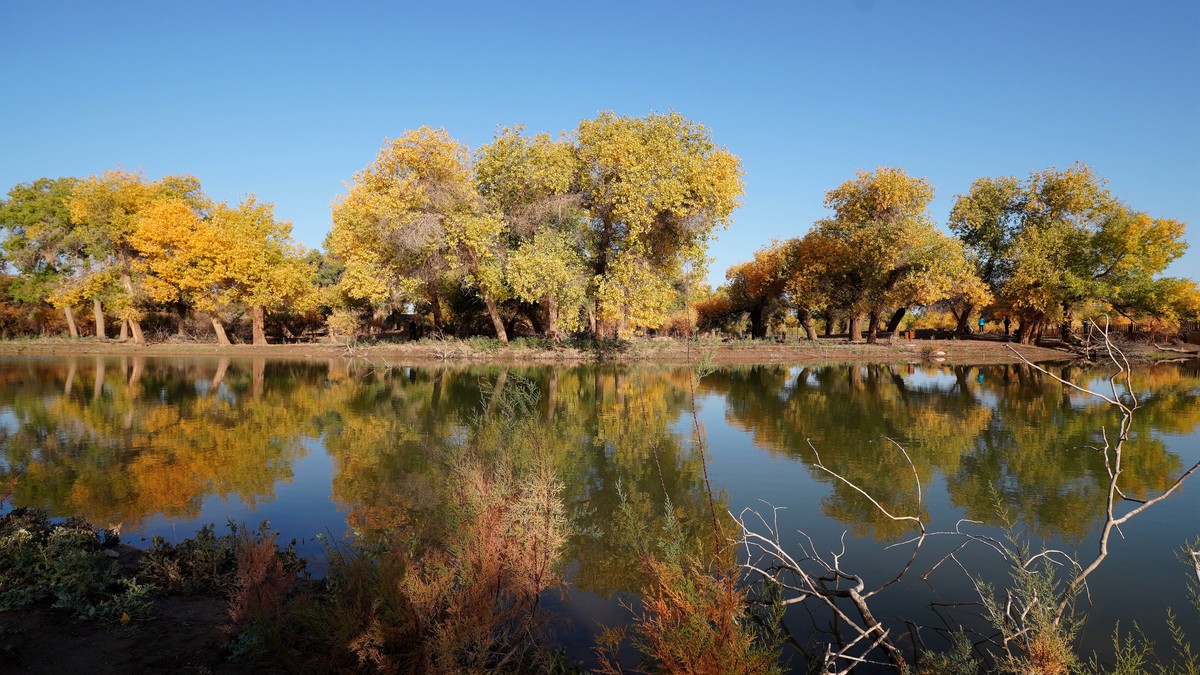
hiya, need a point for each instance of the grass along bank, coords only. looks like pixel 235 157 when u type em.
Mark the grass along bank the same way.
pixel 667 351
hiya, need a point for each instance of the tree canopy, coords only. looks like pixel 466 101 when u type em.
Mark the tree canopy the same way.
pixel 602 230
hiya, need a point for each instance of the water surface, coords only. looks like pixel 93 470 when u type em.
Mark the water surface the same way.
pixel 160 446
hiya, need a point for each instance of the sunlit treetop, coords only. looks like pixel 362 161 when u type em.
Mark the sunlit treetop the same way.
pixel 887 194
pixel 656 185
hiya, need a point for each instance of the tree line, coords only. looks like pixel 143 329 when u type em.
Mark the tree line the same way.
pixel 1040 252
pixel 125 245
pixel 602 231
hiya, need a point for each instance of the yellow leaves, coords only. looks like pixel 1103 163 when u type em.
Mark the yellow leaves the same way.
pixel 234 256
pixel 657 172
pixel 514 171
pixel 473 241
pixel 886 194
pixel 634 294
pixel 550 268
pixel 1074 193
pixel 761 279
pixel 652 189
pixel 389 229
pixel 422 171
pixel 109 204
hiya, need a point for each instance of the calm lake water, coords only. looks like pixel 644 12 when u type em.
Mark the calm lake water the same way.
pixel 161 446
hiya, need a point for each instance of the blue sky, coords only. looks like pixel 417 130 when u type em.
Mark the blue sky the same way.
pixel 288 100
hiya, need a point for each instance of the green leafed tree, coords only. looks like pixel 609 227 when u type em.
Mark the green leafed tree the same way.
pixel 884 252
pixel 42 245
pixel 1060 241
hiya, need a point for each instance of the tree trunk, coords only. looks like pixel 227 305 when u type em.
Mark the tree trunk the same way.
pixel 219 328
pixel 963 319
pixel 71 368
pixel 897 317
pixel 98 313
pixel 1029 331
pixel 855 328
pixel 70 314
pixel 124 331
pixel 497 392
pixel 829 321
pixel 435 304
pixel 260 333
pixel 806 321
pixel 497 322
pixel 258 369
pixel 551 395
pixel 98 385
pixel 222 366
pixel 552 318
pixel 872 325
pixel 135 330
pixel 134 326
pixel 135 372
pixel 758 328
pixel 1068 319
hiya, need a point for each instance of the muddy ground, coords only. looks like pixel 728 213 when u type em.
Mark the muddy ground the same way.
pixel 659 351
pixel 186 635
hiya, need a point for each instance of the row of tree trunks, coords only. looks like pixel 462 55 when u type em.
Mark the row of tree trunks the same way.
pixel 98 313
pixel 132 325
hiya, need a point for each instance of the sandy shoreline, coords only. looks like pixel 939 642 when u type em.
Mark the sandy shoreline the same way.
pixel 661 351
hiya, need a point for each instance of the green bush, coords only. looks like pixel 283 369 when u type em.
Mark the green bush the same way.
pixel 68 565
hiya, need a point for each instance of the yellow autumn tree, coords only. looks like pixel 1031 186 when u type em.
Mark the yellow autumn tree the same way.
pixel 632 293
pixel 475 245
pixel 755 284
pixel 389 229
pixel 889 254
pixel 549 268
pixel 531 182
pixel 108 208
pixel 235 257
pixel 655 189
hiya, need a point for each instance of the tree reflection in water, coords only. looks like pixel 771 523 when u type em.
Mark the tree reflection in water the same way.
pixel 123 440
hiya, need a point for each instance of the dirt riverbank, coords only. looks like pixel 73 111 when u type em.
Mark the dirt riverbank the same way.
pixel 657 351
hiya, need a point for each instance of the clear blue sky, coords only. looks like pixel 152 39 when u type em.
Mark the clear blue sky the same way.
pixel 288 100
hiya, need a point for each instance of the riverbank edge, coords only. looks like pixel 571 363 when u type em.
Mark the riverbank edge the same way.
pixel 662 351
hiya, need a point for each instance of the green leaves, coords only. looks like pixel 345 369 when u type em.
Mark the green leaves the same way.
pixel 1061 239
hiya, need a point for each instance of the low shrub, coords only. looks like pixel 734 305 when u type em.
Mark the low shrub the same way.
pixel 68 565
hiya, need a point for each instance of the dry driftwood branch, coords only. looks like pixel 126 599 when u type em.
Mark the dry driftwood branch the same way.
pixel 1173 349
pixel 1112 457
pixel 809 576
